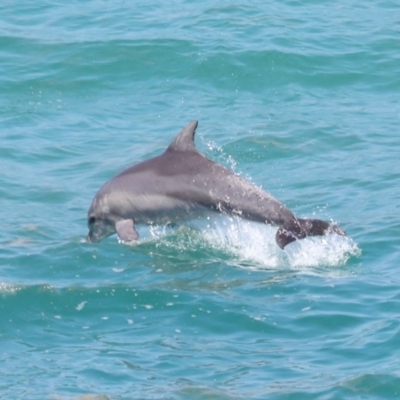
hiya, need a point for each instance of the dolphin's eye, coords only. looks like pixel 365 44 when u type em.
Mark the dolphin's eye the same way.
pixel 92 220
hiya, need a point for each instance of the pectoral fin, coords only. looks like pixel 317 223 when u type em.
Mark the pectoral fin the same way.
pixel 126 230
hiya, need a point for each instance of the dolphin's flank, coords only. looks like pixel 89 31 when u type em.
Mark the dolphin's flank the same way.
pixel 182 184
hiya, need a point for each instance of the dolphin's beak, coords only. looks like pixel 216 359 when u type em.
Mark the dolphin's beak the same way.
pixel 91 238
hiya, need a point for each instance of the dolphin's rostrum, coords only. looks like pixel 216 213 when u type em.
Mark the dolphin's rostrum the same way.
pixel 182 184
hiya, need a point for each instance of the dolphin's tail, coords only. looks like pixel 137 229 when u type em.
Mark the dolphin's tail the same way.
pixel 300 228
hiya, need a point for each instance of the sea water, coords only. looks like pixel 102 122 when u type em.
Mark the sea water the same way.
pixel 302 99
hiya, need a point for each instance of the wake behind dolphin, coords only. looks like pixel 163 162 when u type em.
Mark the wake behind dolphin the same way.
pixel 183 184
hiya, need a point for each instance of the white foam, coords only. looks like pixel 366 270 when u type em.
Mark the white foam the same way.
pixel 80 306
pixel 8 288
pixel 253 246
pixel 247 241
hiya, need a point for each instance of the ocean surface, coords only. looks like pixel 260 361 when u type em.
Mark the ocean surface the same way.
pixel 300 97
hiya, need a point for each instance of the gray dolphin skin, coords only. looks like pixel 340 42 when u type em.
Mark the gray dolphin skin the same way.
pixel 182 184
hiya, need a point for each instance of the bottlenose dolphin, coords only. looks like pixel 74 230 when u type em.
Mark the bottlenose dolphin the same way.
pixel 181 184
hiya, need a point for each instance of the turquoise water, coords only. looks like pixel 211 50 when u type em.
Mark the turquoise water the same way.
pixel 302 98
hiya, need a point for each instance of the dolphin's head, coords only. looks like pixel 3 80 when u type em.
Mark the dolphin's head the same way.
pixel 99 222
pixel 99 229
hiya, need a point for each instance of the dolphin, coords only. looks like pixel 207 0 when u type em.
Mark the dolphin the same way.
pixel 182 184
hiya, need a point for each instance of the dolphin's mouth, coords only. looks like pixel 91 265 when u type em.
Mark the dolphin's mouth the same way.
pixel 91 239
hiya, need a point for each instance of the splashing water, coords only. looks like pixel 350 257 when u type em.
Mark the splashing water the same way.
pixel 217 153
pixel 254 244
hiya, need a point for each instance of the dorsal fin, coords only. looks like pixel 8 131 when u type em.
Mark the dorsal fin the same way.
pixel 184 140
